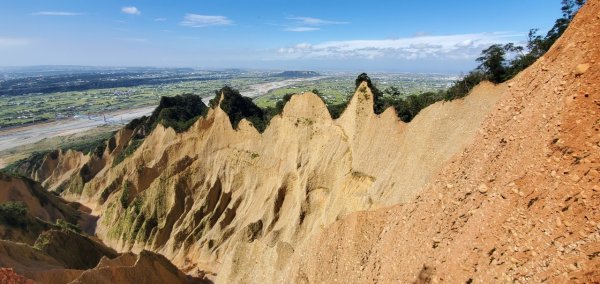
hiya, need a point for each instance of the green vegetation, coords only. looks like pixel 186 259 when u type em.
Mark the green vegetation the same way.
pixel 42 242
pixel 14 214
pixel 406 107
pixel 125 194
pixel 73 249
pixel 494 66
pixel 238 107
pixel 65 225
pixel 500 63
pixel 20 167
pixel 95 145
pixel 137 205
pixel 178 112
pixel 129 149
pixel 36 107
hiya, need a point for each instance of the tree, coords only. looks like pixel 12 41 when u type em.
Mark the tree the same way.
pixel 392 91
pixel 492 62
pixel 571 7
pixel 363 77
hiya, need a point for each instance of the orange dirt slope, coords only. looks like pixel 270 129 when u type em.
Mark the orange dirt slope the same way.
pixel 520 204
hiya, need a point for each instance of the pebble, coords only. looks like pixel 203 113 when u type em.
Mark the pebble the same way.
pixel 575 178
pixel 581 69
pixel 482 188
pixel 572 267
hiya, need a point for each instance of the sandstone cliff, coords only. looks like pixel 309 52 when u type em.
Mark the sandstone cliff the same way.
pixel 498 186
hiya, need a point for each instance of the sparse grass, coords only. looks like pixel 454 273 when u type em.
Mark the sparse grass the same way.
pixel 125 194
pixel 130 149
pixel 65 225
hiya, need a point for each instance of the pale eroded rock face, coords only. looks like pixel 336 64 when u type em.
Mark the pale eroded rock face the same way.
pixel 235 201
pixel 252 207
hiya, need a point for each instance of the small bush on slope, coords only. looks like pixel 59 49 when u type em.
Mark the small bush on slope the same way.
pixel 13 214
pixel 239 107
pixel 178 112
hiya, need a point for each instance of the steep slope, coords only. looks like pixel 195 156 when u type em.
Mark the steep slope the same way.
pixel 53 251
pixel 509 176
pixel 520 204
pixel 219 198
pixel 73 250
pixel 147 267
pixel 26 209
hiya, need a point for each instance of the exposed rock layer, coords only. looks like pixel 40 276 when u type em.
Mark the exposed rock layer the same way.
pixel 215 194
pixel 499 186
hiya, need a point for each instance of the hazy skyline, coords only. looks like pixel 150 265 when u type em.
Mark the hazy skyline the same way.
pixel 434 36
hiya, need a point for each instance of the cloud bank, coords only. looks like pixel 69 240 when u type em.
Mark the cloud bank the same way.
pixel 460 46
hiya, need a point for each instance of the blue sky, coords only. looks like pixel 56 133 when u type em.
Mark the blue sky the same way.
pixel 413 36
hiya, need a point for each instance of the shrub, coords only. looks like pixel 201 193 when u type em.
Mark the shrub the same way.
pixel 64 225
pixel 463 86
pixel 336 110
pixel 94 145
pixel 178 112
pixel 13 213
pixel 239 107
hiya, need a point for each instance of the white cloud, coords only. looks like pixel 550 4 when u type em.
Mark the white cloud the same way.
pixel 131 10
pixel 56 13
pixel 14 42
pixel 201 21
pixel 160 19
pixel 308 24
pixel 309 21
pixel 301 29
pixel 460 46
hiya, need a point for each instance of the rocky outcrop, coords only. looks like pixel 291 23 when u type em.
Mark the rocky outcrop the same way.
pixel 217 197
